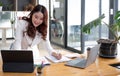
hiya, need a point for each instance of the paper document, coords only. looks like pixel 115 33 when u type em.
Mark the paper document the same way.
pixel 53 59
pixel 40 60
pixel 72 55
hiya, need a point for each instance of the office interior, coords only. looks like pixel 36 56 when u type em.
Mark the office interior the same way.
pixel 66 18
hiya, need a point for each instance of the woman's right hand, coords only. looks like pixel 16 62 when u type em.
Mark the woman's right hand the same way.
pixel 57 55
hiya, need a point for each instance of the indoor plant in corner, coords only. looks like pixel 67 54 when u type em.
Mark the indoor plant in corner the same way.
pixel 108 47
pixel 1 5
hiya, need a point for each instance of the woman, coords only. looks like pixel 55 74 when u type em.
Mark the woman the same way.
pixel 32 30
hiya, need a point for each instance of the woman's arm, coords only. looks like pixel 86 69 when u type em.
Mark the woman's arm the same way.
pixel 51 51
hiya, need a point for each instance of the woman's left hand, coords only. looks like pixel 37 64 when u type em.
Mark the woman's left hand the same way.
pixel 57 55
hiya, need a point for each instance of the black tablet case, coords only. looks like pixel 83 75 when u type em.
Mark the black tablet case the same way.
pixel 17 61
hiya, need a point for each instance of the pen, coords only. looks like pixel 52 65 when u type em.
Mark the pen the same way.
pixel 58 53
pixel 42 64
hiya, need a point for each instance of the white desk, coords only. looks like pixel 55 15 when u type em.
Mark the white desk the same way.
pixel 3 28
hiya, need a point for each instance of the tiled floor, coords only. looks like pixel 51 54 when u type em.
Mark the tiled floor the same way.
pixel 5 46
pixel 43 52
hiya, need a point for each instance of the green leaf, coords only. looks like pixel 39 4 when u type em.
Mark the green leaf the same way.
pixel 86 28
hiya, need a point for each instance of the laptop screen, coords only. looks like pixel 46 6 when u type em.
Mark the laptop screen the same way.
pixel 92 55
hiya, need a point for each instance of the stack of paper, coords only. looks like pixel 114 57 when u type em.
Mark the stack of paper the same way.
pixel 53 59
pixel 72 55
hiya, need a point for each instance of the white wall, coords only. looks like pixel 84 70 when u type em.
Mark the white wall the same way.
pixel 45 3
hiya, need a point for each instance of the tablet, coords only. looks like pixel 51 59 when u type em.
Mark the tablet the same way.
pixel 17 60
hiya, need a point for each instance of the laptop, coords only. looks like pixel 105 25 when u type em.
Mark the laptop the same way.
pixel 82 62
pixel 17 61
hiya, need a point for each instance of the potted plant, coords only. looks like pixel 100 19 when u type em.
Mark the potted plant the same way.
pixel 108 46
pixel 1 6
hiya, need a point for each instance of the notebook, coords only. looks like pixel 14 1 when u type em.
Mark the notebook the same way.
pixel 82 62
pixel 17 61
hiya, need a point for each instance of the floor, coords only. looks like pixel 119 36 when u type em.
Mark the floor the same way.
pixel 5 46
pixel 43 52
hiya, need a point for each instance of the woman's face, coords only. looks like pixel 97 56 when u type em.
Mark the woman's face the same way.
pixel 37 19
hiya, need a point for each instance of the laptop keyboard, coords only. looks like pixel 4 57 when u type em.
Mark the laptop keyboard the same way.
pixel 75 61
pixel 81 63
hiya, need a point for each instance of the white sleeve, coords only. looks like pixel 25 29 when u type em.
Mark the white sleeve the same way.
pixel 19 34
pixel 48 46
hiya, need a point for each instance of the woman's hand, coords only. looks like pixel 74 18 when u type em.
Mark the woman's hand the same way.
pixel 57 55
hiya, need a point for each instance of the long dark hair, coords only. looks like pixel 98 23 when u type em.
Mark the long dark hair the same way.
pixel 31 30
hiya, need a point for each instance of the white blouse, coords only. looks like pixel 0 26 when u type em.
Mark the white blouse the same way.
pixel 23 41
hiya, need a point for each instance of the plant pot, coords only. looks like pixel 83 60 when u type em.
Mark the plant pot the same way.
pixel 108 48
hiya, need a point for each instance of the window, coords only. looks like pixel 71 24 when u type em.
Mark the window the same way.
pixel 74 23
pixel 7 19
pixel 57 21
pixel 91 13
